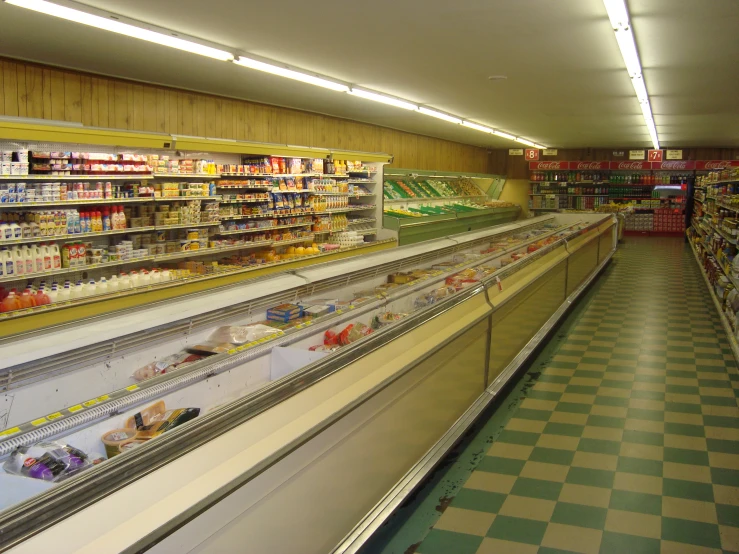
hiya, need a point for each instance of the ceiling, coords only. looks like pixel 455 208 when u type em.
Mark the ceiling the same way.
pixel 566 84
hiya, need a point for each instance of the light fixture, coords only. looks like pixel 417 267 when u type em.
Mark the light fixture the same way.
pixel 398 103
pixel 539 146
pixel 107 24
pixel 477 127
pixel 524 141
pixel 617 13
pixel 439 115
pixel 291 74
pixel 501 134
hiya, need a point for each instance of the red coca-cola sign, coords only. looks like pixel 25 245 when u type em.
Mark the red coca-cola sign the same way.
pixel 548 166
pixel 584 166
pixel 674 165
pixel 625 166
pixel 716 164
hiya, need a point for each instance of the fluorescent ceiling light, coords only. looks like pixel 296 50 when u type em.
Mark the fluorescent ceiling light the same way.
pixel 439 115
pixel 477 127
pixel 383 99
pixel 503 135
pixel 290 74
pixel 539 146
pixel 107 24
pixel 524 141
pixel 626 44
pixel 640 88
pixel 617 13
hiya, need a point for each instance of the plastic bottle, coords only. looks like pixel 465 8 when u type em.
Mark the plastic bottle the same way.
pixel 41 298
pixel 29 260
pixel 53 294
pixel 107 226
pixel 56 256
pixel 6 233
pixel 6 259
pixel 90 289
pixel 156 276
pixel 26 230
pixel 16 229
pixel 38 258
pixel 65 293
pixel 166 275
pixel 122 218
pixel 134 280
pixel 125 282
pixel 102 287
pixel 98 222
pixel 10 302
pixel 19 265
pixel 113 284
pixel 78 290
pixel 27 300
pixel 46 256
pixel 144 278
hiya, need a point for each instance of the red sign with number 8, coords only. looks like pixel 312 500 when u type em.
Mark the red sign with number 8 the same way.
pixel 531 154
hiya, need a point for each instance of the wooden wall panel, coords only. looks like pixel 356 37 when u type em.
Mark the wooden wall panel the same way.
pixel 31 90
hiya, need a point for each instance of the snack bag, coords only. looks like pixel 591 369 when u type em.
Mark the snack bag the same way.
pixel 169 363
pixel 49 461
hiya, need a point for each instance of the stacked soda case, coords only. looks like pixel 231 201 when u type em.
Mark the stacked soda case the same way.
pixel 668 220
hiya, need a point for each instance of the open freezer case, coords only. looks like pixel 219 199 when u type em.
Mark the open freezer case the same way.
pixel 300 402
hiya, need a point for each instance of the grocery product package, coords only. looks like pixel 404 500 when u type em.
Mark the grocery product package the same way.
pixel 350 333
pixel 386 318
pixel 49 461
pixel 153 421
pixel 225 338
pixel 429 298
pixel 166 364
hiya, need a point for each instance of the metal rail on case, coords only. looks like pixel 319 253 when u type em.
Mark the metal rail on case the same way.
pixel 122 399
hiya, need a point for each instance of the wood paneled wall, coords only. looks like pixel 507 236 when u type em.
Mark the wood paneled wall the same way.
pixel 30 90
pixel 516 167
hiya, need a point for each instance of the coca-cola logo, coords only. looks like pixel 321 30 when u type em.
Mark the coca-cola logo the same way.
pixel 549 165
pixel 717 165
pixel 674 165
pixel 588 165
pixel 630 165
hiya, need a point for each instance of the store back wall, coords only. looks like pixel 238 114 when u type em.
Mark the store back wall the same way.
pixel 37 91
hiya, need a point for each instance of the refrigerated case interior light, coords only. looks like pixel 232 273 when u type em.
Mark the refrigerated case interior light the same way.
pixel 121 28
pixel 439 115
pixel 291 74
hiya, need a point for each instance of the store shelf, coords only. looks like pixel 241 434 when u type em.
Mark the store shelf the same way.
pixel 16 205
pixel 293 241
pixel 187 225
pixel 76 236
pixel 572 195
pixel 263 229
pixel 715 183
pixel 245 201
pixel 734 208
pixel 186 176
pixel 362 220
pixel 127 177
pixel 246 187
pixel 347 209
pixel 267 175
pixel 437 198
pixel 216 198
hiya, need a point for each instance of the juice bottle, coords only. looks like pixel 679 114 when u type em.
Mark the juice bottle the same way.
pixel 10 302
pixel 27 300
pixel 28 260
pixel 6 260
pixel 19 265
pixel 38 258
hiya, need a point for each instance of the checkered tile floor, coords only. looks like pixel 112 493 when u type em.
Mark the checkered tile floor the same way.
pixel 629 440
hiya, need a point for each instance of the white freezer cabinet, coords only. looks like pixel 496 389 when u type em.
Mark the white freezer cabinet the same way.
pixel 321 442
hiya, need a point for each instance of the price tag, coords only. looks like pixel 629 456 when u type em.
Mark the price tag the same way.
pixel 352 306
pixel 241 348
pixel 76 408
pixel 103 398
pixel 308 323
pixel 11 431
pixel 39 421
pixel 231 352
pixel 55 415
pixel 132 388
pixel 89 403
pixel 262 340
pixel 339 311
pixel 300 325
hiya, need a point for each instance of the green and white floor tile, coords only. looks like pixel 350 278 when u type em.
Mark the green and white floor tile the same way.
pixel 629 439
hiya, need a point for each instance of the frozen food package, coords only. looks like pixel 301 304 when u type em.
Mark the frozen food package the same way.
pixel 162 422
pixel 166 364
pixel 241 334
pixel 49 461
pixel 353 333
pixel 385 318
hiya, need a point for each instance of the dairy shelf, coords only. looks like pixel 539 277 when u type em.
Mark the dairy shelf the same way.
pixel 245 201
pixel 16 205
pixel 186 176
pixel 261 229
pixel 75 236
pixel 187 225
pixel 178 198
pixel 127 177
pixel 293 241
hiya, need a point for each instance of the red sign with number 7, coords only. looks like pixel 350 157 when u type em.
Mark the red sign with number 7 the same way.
pixel 531 154
pixel 654 155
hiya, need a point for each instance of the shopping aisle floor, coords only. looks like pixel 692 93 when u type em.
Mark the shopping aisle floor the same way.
pixel 622 437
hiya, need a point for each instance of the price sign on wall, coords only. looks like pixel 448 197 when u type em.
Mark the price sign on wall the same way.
pixel 532 154
pixel 654 155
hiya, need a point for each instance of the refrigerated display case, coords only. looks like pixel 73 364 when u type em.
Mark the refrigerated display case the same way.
pixel 333 391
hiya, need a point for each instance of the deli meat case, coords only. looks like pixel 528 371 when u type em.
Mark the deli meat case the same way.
pixel 300 409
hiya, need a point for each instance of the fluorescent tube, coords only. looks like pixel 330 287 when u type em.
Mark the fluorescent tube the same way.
pixel 539 146
pixel 383 99
pixel 477 127
pixel 640 88
pixel 503 135
pixel 617 13
pixel 291 74
pixel 626 44
pixel 439 115
pixel 107 24
pixel 524 141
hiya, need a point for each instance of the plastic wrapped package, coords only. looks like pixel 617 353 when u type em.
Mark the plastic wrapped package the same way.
pixel 351 333
pixel 167 364
pixel 386 318
pixel 429 298
pixel 242 334
pixel 49 461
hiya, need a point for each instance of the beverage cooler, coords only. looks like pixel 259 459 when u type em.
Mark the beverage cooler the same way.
pixel 291 413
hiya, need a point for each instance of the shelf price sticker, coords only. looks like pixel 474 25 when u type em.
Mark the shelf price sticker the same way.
pixel 76 408
pixel 103 398
pixel 39 421
pixel 90 403
pixel 55 415
pixel 231 352
pixel 132 388
pixel 11 431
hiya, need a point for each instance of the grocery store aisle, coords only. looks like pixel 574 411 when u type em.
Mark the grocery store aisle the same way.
pixel 623 436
